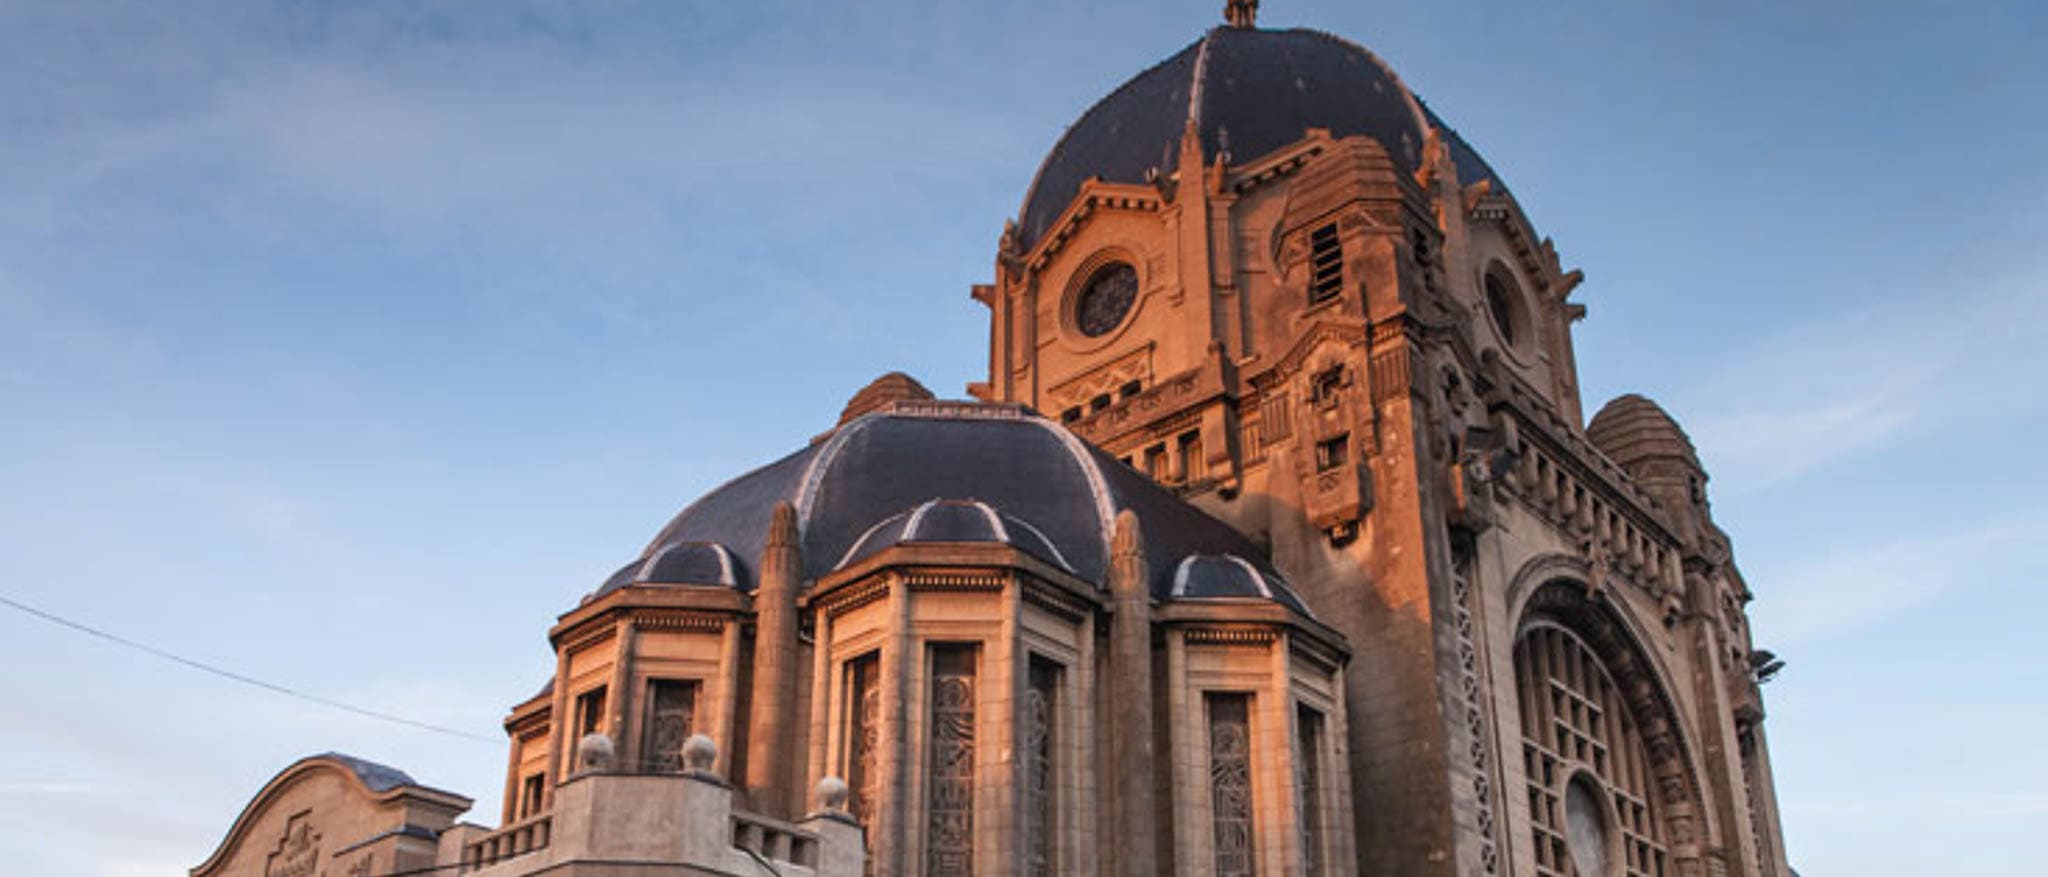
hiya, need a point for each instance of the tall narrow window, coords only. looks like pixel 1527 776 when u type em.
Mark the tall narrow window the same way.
pixel 1308 764
pixel 1040 803
pixel 1155 462
pixel 1230 783
pixel 671 710
pixel 589 713
pixel 949 834
pixel 530 793
pixel 1274 421
pixel 864 736
pixel 1194 466
pixel 1326 264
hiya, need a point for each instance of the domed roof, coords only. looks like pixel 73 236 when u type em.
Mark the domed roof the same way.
pixel 1248 92
pixel 1631 429
pixel 895 475
pixel 955 520
pixel 1225 577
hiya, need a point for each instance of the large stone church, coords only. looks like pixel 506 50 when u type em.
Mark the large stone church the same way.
pixel 1276 542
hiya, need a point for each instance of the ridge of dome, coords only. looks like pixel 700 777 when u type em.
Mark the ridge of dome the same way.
pixel 1631 428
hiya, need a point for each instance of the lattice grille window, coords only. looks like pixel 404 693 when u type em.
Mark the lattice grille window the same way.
pixel 1759 827
pixel 1308 777
pixel 1041 701
pixel 864 737
pixel 1591 805
pixel 1230 783
pixel 671 708
pixel 949 832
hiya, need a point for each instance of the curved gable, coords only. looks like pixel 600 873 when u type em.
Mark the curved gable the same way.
pixel 333 809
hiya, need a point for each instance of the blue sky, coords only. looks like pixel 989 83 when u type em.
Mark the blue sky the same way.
pixel 348 344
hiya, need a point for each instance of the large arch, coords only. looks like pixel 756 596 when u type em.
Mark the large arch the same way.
pixel 1550 594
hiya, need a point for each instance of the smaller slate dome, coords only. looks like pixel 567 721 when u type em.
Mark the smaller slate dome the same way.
pixel 678 563
pixel 897 473
pixel 955 520
pixel 1632 429
pixel 1228 576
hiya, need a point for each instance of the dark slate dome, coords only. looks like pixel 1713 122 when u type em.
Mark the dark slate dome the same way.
pixel 955 520
pixel 1227 577
pixel 898 475
pixel 1249 92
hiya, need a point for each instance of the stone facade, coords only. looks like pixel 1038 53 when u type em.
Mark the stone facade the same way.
pixel 1311 566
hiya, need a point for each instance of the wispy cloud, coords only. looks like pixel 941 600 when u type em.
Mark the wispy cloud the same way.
pixel 1944 359
pixel 1857 585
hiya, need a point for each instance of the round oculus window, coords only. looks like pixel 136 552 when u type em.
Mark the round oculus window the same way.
pixel 1106 299
pixel 1500 303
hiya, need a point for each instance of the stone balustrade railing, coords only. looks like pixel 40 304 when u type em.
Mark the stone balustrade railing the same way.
pixel 517 839
pixel 774 840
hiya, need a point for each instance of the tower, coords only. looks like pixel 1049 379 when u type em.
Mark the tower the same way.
pixel 1265 274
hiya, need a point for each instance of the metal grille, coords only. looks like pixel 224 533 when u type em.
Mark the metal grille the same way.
pixel 1575 724
pixel 1230 783
pixel 1039 827
pixel 1308 777
pixel 671 706
pixel 864 738
pixel 949 834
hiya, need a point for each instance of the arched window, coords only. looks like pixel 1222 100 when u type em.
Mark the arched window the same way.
pixel 1591 793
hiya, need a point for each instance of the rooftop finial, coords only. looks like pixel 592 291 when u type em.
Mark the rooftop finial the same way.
pixel 1241 13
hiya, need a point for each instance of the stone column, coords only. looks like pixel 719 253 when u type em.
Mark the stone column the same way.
pixel 769 727
pixel 725 719
pixel 558 732
pixel 900 664
pixel 821 694
pixel 621 696
pixel 1131 711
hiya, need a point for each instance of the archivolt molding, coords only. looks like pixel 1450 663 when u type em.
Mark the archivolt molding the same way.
pixel 1541 570
pixel 1548 593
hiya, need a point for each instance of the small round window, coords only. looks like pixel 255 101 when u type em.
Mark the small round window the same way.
pixel 1106 299
pixel 1500 303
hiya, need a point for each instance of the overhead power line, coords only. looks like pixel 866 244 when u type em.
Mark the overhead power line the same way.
pixel 237 677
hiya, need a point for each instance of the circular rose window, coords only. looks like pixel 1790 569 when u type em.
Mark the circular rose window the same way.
pixel 1106 299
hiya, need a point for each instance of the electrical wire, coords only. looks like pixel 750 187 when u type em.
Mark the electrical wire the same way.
pixel 237 677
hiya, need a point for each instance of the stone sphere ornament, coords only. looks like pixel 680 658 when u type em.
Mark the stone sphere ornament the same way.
pixel 698 753
pixel 594 752
pixel 832 792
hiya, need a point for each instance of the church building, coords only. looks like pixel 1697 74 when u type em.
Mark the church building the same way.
pixel 1276 542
